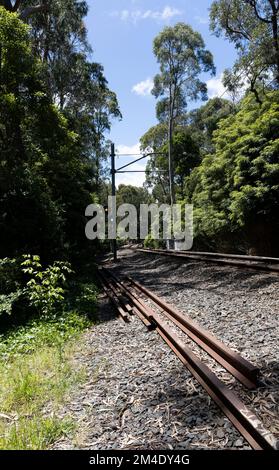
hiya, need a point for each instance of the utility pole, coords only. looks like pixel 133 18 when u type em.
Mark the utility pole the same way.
pixel 170 154
pixel 113 192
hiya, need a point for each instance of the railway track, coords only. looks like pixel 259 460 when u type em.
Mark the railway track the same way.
pixel 259 263
pixel 131 298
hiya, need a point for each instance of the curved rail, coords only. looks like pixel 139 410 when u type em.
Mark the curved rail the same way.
pixel 239 261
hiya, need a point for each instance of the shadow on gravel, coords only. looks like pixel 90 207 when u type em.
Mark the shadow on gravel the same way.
pixel 105 311
pixel 221 276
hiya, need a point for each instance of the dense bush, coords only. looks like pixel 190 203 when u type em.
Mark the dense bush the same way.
pixel 236 188
pixel 49 154
pixel 42 289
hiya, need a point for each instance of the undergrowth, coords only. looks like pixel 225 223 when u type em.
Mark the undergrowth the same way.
pixel 37 373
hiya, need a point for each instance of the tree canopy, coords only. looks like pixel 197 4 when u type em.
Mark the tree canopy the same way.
pixel 252 25
pixel 236 189
pixel 52 133
pixel 181 54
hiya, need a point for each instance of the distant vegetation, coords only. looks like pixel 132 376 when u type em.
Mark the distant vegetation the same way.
pixel 223 156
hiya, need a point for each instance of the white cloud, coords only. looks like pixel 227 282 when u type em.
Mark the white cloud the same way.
pixel 136 15
pixel 134 179
pixel 202 19
pixel 126 149
pixel 167 13
pixel 216 88
pixel 143 88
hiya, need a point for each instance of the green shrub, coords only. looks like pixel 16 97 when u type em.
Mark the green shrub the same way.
pixel 10 275
pixel 7 301
pixel 10 284
pixel 46 288
pixel 41 332
pixel 85 299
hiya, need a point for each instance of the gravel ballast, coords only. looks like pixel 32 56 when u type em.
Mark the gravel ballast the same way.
pixel 139 396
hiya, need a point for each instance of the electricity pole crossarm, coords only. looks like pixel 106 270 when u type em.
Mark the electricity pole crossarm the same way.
pixel 113 186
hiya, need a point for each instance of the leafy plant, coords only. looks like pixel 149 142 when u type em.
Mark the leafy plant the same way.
pixel 10 284
pixel 86 299
pixel 7 301
pixel 46 288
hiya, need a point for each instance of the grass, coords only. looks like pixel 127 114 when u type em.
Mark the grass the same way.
pixel 36 374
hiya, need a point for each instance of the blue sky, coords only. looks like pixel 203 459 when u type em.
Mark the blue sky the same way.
pixel 121 33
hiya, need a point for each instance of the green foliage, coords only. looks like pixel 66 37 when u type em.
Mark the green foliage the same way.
pixel 186 156
pixel 237 187
pixel 7 301
pixel 10 285
pixel 128 194
pixel 182 56
pixel 202 122
pixel 9 275
pixel 50 154
pixel 85 299
pixel 91 105
pixel 36 434
pixel 36 372
pixel 252 25
pixel 43 332
pixel 45 290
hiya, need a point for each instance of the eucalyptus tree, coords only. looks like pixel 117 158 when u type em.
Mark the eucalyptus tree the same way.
pixel 253 26
pixel 76 84
pixel 181 54
pixel 31 132
pixel 48 145
pixel 91 107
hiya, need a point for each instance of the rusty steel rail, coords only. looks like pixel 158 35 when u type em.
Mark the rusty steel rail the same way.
pixel 241 417
pixel 113 298
pixel 233 362
pixel 239 261
pixel 115 290
pixel 244 420
pixel 137 305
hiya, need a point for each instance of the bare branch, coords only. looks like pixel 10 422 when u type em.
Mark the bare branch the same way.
pixel 253 3
pixel 234 30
